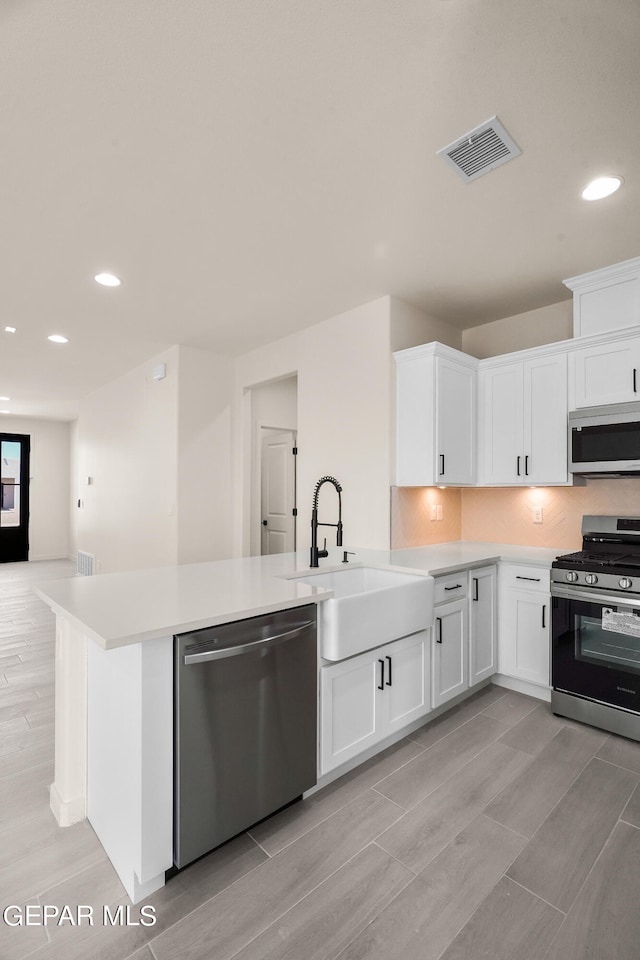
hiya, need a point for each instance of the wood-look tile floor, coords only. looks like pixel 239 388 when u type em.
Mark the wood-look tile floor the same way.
pixel 497 831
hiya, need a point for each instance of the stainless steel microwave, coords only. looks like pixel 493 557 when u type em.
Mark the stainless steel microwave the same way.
pixel 605 441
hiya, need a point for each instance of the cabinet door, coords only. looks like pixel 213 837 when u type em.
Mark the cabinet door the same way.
pixel 456 417
pixel 348 709
pixel 407 693
pixel 545 420
pixel 524 636
pixel 501 419
pixel 607 373
pixel 450 651
pixel 482 624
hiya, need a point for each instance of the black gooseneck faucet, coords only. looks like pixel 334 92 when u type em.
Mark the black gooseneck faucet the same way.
pixel 315 553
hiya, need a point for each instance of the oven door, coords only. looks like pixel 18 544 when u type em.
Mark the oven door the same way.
pixel 596 647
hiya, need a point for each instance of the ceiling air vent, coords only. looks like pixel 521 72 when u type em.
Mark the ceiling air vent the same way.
pixel 482 149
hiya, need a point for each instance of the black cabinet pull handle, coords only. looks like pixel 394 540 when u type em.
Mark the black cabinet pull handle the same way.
pixel 535 579
pixel 544 610
pixel 442 464
pixel 518 466
pixel 389 681
pixel 439 622
pixel 526 465
pixel 381 684
pixel 457 587
pixel 475 588
pixel 635 380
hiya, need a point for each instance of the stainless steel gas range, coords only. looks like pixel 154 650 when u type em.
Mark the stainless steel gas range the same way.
pixel 596 627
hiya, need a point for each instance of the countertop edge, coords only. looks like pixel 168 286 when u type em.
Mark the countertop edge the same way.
pixel 418 560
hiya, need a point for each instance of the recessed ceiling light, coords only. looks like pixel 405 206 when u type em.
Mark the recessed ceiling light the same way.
pixel 5 411
pixel 9 329
pixel 107 279
pixel 601 187
pixel 5 398
pixel 58 338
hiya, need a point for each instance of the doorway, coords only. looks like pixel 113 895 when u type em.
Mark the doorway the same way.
pixel 278 491
pixel 14 497
pixel 270 434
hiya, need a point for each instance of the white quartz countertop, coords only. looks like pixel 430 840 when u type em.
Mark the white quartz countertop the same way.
pixel 116 609
pixel 440 558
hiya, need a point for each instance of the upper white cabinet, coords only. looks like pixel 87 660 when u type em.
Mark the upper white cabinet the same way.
pixel 606 372
pixel 435 416
pixel 523 421
pixel 606 299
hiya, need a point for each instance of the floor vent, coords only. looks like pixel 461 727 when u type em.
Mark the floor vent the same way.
pixel 85 564
pixel 482 149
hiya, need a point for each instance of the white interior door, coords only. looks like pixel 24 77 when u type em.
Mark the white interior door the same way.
pixel 278 492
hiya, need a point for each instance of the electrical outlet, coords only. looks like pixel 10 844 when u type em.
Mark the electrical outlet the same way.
pixel 434 512
pixel 537 514
pixel 439 512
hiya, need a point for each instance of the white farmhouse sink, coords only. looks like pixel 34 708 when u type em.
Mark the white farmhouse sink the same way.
pixel 370 606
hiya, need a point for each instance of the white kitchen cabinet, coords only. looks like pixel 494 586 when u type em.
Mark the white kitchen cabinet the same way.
pixel 606 372
pixel 368 697
pixel 435 416
pixel 450 668
pixel 525 616
pixel 523 421
pixel 483 631
pixel 606 299
pixel 450 651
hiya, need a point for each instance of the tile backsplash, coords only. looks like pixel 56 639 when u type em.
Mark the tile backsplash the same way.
pixel 411 523
pixel 505 514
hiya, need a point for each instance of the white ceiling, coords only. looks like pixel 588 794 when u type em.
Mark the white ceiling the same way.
pixel 250 167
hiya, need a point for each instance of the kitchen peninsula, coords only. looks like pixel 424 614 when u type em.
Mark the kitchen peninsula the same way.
pixel 114 677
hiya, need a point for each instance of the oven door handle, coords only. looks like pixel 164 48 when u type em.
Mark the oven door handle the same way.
pixel 617 600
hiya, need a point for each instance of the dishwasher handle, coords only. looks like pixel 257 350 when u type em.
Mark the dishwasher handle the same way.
pixel 222 652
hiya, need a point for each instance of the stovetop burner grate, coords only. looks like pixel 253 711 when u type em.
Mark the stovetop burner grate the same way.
pixel 602 559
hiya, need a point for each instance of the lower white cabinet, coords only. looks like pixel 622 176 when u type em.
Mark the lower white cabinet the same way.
pixel 367 698
pixel 483 632
pixel 465 631
pixel 525 615
pixel 450 651
pixel 450 646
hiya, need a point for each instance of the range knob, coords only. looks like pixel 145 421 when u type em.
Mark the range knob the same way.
pixel 625 583
pixel 572 576
pixel 591 578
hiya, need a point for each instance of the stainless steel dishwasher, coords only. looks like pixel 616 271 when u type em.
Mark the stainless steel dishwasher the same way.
pixel 245 717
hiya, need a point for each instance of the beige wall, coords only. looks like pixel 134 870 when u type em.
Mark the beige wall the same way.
pixel 343 375
pixel 127 443
pixel 409 327
pixel 49 484
pixel 204 520
pixel 159 455
pixel 531 329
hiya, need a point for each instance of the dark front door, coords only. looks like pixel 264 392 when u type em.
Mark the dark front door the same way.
pixel 14 497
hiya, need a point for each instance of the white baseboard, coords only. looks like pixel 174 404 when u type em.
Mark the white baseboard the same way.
pixel 66 812
pixel 522 686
